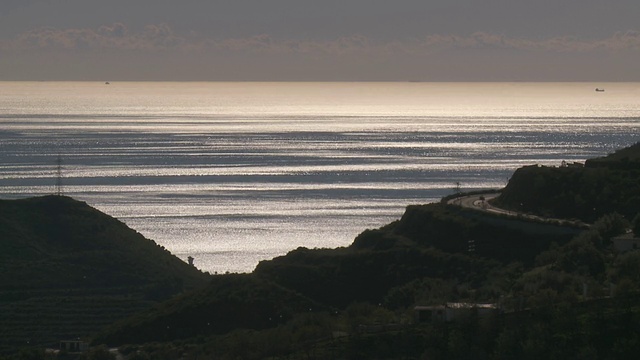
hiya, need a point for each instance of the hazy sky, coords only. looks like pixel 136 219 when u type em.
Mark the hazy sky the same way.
pixel 429 40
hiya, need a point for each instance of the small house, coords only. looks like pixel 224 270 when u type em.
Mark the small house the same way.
pixel 73 346
pixel 626 242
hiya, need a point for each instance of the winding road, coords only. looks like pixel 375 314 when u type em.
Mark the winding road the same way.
pixel 481 202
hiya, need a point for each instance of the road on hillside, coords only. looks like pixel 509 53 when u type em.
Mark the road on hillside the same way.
pixel 480 202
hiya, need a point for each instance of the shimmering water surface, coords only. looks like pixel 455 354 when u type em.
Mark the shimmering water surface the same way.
pixel 234 173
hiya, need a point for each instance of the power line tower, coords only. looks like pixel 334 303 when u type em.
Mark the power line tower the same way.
pixel 59 176
pixel 458 188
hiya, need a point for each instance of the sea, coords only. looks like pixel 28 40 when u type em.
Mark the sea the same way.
pixel 236 173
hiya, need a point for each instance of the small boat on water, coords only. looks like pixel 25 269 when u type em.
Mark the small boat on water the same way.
pixel 599 90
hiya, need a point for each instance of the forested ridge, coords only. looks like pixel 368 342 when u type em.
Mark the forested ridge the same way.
pixel 602 186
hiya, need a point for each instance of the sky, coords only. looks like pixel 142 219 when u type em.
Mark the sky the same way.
pixel 323 40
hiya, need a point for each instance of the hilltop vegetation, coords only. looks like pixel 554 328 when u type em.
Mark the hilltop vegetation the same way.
pixel 56 242
pixel 603 186
pixel 627 158
pixel 67 270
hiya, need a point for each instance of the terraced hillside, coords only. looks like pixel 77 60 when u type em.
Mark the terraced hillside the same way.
pixel 67 270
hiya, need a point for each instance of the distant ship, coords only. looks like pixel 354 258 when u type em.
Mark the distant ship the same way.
pixel 599 90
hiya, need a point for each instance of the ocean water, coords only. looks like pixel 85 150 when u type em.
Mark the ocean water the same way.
pixel 235 173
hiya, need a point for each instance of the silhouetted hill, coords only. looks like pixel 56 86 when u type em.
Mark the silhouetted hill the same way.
pixel 67 270
pixel 293 305
pixel 229 302
pixel 627 158
pixel 383 266
pixel 604 185
pixel 434 240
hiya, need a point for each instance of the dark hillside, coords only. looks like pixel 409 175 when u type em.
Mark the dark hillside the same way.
pixel 343 277
pixel 580 294
pixel 454 229
pixel 429 241
pixel 424 256
pixel 429 245
pixel 602 186
pixel 66 270
pixel 627 159
pixel 229 302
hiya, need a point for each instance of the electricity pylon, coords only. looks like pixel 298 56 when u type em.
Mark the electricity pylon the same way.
pixel 59 176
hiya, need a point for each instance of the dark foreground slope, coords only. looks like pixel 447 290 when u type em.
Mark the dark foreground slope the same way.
pixel 435 241
pixel 67 270
pixel 604 185
pixel 391 266
pixel 229 302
